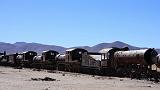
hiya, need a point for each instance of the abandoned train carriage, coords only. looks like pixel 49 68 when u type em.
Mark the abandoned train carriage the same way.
pixel 79 60
pixel 16 59
pixel 74 54
pixel 46 60
pixel 13 59
pixel 46 56
pixel 49 55
pixel 135 62
pixel 27 58
pixel 91 63
pixel 72 60
pixel 143 57
pixel 108 62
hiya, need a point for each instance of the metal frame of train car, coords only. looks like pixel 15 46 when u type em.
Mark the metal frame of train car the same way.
pixel 73 60
pixel 108 62
pixel 60 59
pixel 13 60
pixel 27 58
pixel 91 63
pixel 46 60
pixel 135 63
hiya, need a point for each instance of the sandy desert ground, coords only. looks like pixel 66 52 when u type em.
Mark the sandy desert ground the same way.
pixel 21 79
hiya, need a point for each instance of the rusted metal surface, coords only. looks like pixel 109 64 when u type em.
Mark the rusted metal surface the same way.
pixel 49 55
pixel 108 56
pixel 144 57
pixel 29 55
pixel 74 54
pixel 92 60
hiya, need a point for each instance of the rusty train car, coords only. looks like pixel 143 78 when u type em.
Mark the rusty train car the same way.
pixel 110 61
pixel 135 62
pixel 72 60
pixel 45 61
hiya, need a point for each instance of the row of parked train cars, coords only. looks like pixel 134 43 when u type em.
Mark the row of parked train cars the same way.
pixel 114 61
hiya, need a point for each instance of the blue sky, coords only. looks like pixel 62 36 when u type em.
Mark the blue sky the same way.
pixel 80 22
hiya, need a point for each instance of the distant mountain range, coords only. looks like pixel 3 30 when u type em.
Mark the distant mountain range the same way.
pixel 23 46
